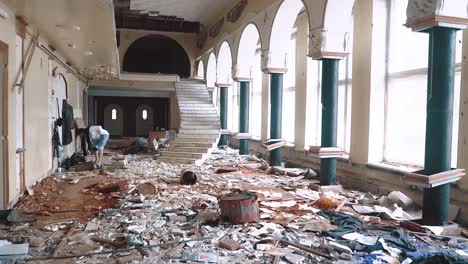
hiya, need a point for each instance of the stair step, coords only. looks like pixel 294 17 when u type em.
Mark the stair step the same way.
pixel 177 149
pixel 191 101
pixel 194 144
pixel 198 119
pixel 199 112
pixel 178 160
pixel 183 126
pixel 194 95
pixel 197 106
pixel 182 154
pixel 203 131
pixel 202 113
pixel 195 137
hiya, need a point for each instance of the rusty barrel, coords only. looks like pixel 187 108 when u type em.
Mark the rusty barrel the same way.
pixel 239 208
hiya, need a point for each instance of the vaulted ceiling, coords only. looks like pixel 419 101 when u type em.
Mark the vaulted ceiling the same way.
pixel 168 15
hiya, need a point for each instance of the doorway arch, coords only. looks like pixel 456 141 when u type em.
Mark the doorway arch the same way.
pixel 144 121
pixel 114 120
pixel 157 54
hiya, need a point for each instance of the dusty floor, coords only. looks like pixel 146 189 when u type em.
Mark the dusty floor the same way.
pixel 81 213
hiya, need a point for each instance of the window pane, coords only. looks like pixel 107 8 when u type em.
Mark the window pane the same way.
pixel 144 114
pixel 114 114
pixel 313 106
pixel 344 117
pixel 404 43
pixel 407 92
pixel 289 95
pixel 406 120
pixel 256 102
pixel 233 107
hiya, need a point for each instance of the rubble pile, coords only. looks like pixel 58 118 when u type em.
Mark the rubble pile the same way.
pixel 157 217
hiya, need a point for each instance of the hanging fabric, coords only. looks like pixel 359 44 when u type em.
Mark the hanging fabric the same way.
pixel 68 123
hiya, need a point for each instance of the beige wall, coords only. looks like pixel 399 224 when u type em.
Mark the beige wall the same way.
pixel 174 121
pixel 8 36
pixel 36 106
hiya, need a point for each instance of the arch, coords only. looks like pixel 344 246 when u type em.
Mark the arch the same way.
pixel 114 126
pixel 224 66
pixel 283 24
pixel 157 54
pixel 144 126
pixel 247 46
pixel 211 71
pixel 201 70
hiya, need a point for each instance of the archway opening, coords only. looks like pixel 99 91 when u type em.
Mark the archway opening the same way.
pixel 224 77
pixel 156 54
pixel 201 70
pixel 211 71
pixel 249 65
pixel 283 55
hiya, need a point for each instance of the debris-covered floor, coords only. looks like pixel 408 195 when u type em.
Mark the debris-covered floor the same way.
pixel 139 211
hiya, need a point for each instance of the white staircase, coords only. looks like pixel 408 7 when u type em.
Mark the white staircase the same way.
pixel 199 125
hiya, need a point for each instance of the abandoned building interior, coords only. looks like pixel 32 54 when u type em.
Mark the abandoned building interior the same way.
pixel 234 131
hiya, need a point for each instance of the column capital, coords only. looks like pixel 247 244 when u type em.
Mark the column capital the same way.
pixel 424 14
pixel 223 85
pixel 273 63
pixel 324 45
pixel 238 76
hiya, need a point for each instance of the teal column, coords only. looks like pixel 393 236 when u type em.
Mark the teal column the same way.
pixel 223 106
pixel 439 121
pixel 244 116
pixel 276 108
pixel 329 118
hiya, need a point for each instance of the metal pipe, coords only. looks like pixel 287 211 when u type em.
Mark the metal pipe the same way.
pixel 244 110
pixel 329 118
pixel 439 121
pixel 276 100
pixel 223 103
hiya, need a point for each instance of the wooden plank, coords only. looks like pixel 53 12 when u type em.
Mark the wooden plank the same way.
pixel 6 159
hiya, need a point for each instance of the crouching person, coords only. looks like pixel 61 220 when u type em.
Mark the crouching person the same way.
pixel 96 137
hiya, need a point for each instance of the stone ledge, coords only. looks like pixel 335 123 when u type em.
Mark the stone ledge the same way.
pixel 326 152
pixel 241 135
pixel 429 181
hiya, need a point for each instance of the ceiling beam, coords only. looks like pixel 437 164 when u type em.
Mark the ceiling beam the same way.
pixel 126 18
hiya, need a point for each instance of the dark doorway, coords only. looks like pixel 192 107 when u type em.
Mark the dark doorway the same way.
pixel 127 112
pixel 157 54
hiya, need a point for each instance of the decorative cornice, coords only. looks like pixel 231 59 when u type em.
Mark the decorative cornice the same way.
pixel 424 14
pixel 223 85
pixel 434 21
pixel 275 70
pixel 267 65
pixel 322 46
pixel 236 75
pixel 243 79
pixel 329 55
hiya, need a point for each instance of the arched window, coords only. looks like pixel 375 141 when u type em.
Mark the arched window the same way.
pixel 144 114
pixel 114 114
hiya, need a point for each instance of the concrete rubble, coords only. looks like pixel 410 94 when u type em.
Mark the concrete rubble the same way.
pixel 142 213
